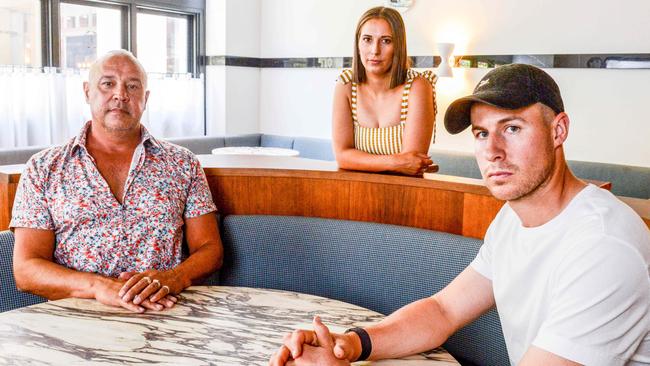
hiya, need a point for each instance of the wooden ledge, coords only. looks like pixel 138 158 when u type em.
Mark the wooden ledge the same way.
pixel 305 187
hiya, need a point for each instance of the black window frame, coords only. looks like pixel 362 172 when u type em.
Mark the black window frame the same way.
pixel 55 24
pixel 192 58
pixel 194 10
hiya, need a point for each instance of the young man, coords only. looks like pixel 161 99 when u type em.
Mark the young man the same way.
pixel 565 263
pixel 104 216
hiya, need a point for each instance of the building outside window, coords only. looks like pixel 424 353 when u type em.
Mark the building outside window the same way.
pixel 81 40
pixel 167 53
pixel 47 46
pixel 20 32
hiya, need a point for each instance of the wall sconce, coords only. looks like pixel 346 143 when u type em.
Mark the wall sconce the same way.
pixel 444 69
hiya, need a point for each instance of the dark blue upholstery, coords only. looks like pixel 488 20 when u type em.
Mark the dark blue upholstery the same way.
pixel 458 164
pixel 313 148
pixel 380 267
pixel 284 142
pixel 10 297
pixel 627 180
pixel 309 147
pixel 252 139
pixel 199 144
pixel 18 155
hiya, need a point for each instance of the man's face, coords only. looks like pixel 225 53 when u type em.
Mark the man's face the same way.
pixel 514 148
pixel 116 94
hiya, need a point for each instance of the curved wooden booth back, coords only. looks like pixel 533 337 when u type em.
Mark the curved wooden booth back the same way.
pixel 290 186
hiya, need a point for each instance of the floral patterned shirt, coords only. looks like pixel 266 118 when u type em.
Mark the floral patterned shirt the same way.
pixel 62 190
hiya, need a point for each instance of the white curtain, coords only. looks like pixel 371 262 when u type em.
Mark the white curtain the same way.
pixel 41 107
pixel 175 107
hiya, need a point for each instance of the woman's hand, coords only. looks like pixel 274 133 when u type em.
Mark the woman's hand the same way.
pixel 410 162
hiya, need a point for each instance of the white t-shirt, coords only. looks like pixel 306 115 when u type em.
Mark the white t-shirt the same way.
pixel 577 286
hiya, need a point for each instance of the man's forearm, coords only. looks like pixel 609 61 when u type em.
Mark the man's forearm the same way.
pixel 207 259
pixel 417 327
pixel 53 281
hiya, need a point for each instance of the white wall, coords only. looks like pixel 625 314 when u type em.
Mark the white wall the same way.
pixel 296 102
pixel 326 28
pixel 215 27
pixel 243 27
pixel 607 107
pixel 232 93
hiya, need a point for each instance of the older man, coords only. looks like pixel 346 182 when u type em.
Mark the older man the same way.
pixel 565 263
pixel 104 216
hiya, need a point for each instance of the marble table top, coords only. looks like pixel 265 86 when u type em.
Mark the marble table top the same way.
pixel 211 325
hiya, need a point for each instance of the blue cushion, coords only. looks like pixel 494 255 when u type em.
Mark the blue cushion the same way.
pixel 243 140
pixel 285 142
pixel 627 180
pixel 18 155
pixel 313 148
pixel 454 163
pixel 377 266
pixel 199 144
pixel 10 297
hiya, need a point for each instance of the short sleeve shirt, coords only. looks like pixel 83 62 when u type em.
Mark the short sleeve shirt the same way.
pixel 577 286
pixel 62 190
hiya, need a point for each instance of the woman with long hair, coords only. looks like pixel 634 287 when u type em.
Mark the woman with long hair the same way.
pixel 384 112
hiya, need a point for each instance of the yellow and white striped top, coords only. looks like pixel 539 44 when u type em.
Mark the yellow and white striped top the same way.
pixel 385 140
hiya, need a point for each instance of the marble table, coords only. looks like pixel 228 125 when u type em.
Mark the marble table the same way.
pixel 211 325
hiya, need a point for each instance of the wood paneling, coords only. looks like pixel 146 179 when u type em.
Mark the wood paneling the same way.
pixel 287 186
pixel 478 213
pixel 427 208
pixel 7 194
pixel 280 196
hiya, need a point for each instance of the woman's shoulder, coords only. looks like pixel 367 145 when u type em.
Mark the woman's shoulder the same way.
pixel 428 75
pixel 345 77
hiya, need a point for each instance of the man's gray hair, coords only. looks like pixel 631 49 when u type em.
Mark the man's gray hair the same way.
pixel 94 68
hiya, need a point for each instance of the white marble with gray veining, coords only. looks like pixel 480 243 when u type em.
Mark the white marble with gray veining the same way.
pixel 209 326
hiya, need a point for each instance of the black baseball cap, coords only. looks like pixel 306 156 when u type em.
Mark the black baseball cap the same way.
pixel 510 86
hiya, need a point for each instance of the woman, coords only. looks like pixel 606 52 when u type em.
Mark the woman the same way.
pixel 384 113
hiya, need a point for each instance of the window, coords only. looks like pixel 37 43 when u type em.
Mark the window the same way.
pixel 83 21
pixel 20 32
pixel 166 35
pixel 163 42
pixel 81 41
pixel 69 23
pixel 45 104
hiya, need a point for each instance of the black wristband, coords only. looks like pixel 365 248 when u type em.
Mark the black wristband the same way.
pixel 366 345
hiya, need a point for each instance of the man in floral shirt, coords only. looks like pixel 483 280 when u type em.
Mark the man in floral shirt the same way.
pixel 104 216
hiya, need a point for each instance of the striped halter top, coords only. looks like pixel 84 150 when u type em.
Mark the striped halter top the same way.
pixel 385 140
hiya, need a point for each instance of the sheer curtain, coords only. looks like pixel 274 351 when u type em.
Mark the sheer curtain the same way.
pixel 41 106
pixel 175 106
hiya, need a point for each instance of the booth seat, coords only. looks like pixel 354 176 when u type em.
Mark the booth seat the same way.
pixel 10 297
pixel 377 266
pixel 380 267
pixel 310 148
pixel 18 155
pixel 627 180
